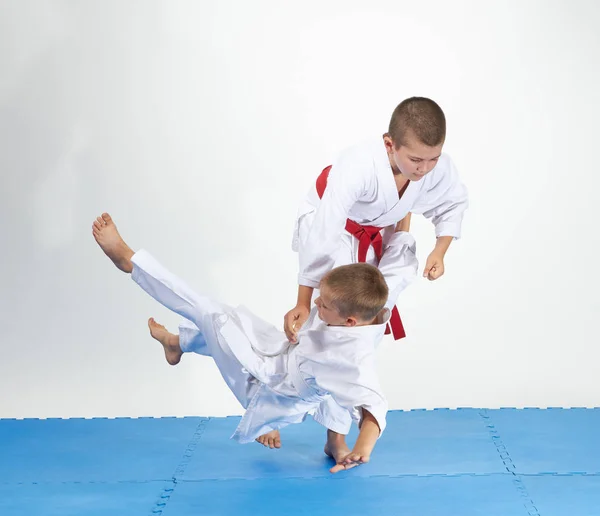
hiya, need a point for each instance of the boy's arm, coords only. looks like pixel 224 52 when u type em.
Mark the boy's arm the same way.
pixel 369 433
pixel 444 203
pixel 297 316
pixel 357 389
pixel 434 267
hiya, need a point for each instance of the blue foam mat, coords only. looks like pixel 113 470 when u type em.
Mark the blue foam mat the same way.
pixel 564 495
pixel 95 450
pixel 218 457
pixel 417 443
pixel 382 496
pixel 427 462
pixel 550 440
pixel 76 499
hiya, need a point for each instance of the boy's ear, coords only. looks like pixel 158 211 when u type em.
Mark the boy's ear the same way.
pixel 351 321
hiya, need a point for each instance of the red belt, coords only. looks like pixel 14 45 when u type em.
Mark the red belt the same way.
pixel 367 236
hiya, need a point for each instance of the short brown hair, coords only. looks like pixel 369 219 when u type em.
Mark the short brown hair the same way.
pixel 358 290
pixel 421 116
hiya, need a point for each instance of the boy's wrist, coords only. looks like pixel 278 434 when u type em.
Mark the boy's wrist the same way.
pixel 304 297
pixel 363 451
pixel 442 244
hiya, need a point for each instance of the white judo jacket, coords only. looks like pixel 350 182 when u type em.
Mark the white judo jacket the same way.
pixel 361 187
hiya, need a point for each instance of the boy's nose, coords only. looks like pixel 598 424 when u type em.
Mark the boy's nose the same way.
pixel 430 166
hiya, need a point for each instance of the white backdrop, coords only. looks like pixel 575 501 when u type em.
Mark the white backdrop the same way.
pixel 200 125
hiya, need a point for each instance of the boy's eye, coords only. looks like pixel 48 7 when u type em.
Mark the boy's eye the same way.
pixel 416 160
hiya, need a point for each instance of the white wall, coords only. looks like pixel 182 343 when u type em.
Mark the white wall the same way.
pixel 200 125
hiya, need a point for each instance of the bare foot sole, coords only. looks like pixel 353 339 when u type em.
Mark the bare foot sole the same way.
pixel 169 341
pixel 271 439
pixel 108 238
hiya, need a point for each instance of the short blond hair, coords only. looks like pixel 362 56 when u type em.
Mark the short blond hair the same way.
pixel 420 116
pixel 357 290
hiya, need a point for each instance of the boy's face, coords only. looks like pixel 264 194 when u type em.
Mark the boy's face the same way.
pixel 413 160
pixel 327 312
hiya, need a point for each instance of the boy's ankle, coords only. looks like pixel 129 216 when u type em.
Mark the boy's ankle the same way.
pixel 335 438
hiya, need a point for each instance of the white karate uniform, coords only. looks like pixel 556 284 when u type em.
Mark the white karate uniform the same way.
pixel 276 382
pixel 361 187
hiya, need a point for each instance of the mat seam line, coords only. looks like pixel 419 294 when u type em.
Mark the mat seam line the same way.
pixel 165 496
pixel 517 480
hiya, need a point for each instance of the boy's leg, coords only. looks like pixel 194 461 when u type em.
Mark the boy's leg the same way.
pixel 163 286
pixel 189 340
pixel 171 292
pixel 338 421
pixel 108 238
pixel 336 446
pixel 169 341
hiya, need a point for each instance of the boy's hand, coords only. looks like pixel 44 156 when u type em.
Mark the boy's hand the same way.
pixel 293 321
pixel 434 268
pixel 353 459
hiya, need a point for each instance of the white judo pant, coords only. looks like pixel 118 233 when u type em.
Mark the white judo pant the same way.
pixel 197 333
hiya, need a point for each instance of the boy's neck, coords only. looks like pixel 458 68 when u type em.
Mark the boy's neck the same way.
pixel 378 319
pixel 400 181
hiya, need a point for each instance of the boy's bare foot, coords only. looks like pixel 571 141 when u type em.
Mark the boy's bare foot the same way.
pixel 336 447
pixel 336 451
pixel 271 439
pixel 108 238
pixel 169 341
